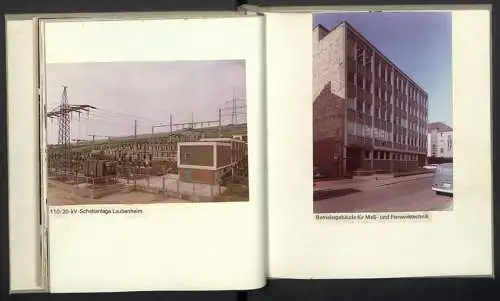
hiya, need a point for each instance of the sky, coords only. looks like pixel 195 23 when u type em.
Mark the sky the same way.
pixel 147 92
pixel 419 43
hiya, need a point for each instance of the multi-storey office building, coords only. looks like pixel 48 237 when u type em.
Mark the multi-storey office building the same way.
pixel 440 141
pixel 368 114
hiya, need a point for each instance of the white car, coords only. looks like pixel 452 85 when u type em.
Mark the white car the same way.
pixel 431 166
pixel 443 179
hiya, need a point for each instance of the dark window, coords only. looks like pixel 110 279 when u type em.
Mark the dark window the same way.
pixel 367 59
pixel 367 154
pixel 359 105
pixel 350 46
pixel 359 81
pixel 351 75
pixel 359 53
pixel 368 86
pixel 367 108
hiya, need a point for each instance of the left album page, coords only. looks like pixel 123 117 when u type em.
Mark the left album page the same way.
pixel 27 256
pixel 153 153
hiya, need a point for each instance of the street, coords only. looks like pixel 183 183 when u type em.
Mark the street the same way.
pixel 406 196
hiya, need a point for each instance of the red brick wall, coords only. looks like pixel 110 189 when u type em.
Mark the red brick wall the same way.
pixel 412 163
pixel 328 132
pixel 381 164
pixel 366 164
pixel 239 150
pixel 402 164
pixel 323 157
pixel 421 160
pixel 198 176
pixel 328 118
pixel 223 155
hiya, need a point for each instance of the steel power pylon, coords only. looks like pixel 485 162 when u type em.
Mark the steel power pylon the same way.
pixel 234 105
pixel 63 113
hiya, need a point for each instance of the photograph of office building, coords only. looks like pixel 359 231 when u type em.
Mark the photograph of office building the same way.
pixel 371 115
pixel 138 133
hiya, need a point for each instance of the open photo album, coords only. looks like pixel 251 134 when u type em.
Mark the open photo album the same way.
pixel 215 151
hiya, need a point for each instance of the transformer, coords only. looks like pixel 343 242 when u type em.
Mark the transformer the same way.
pixel 99 168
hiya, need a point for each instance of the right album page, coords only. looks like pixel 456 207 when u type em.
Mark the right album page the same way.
pixel 379 143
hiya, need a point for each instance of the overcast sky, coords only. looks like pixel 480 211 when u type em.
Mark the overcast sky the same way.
pixel 144 91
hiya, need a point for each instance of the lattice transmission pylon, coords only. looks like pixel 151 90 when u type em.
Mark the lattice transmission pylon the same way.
pixel 234 105
pixel 63 113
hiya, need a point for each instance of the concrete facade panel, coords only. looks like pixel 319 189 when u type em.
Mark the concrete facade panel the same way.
pixel 329 61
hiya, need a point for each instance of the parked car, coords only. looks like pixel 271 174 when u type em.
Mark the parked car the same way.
pixel 443 179
pixel 317 174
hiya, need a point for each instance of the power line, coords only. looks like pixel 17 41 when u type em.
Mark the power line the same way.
pixel 234 106
pixel 63 113
pixel 130 116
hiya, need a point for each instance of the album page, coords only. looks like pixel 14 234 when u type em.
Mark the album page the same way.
pixel 26 243
pixel 155 153
pixel 374 169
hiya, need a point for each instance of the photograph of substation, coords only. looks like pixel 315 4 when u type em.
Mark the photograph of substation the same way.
pixel 100 155
pixel 370 118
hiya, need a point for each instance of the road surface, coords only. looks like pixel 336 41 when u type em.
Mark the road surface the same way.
pixel 414 195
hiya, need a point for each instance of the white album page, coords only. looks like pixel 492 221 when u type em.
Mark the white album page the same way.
pixel 379 144
pixel 155 154
pixel 25 248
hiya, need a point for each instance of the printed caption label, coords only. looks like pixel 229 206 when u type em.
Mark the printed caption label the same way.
pixel 373 217
pixel 94 211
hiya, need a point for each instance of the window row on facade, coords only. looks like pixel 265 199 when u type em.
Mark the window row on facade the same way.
pixel 364 94
pixel 385 73
pixel 399 133
pixel 369 78
pixel 385 112
pixel 402 137
pixel 385 155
